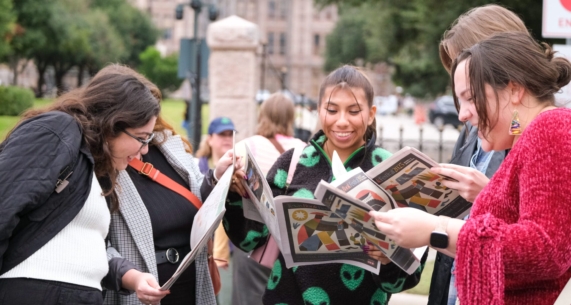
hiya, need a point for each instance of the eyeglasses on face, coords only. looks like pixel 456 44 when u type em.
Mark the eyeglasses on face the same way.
pixel 142 141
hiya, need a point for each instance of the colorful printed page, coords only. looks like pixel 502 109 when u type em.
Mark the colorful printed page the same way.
pixel 356 214
pixel 312 234
pixel 358 185
pixel 205 223
pixel 261 197
pixel 406 176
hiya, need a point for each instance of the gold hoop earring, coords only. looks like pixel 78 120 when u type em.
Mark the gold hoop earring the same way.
pixel 515 127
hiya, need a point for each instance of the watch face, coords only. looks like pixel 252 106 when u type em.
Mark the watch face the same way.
pixel 439 240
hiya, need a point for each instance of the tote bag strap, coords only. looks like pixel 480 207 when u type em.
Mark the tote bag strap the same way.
pixel 297 151
pixel 147 169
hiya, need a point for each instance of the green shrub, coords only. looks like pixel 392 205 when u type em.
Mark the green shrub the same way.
pixel 15 100
pixel 162 71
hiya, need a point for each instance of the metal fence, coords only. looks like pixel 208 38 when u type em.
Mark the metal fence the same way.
pixel 439 150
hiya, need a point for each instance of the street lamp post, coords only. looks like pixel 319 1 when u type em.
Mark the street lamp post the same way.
pixel 195 108
pixel 263 69
pixel 283 78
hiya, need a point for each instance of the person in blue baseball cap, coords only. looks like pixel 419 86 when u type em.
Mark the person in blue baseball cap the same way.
pixel 211 149
pixel 216 144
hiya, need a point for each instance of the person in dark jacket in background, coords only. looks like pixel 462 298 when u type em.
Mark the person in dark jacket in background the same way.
pixel 54 215
pixel 470 28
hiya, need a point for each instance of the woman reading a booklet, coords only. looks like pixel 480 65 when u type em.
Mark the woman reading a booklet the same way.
pixel 347 117
pixel 514 248
pixel 150 231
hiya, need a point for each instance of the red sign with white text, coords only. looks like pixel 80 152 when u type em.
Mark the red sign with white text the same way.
pixel 556 19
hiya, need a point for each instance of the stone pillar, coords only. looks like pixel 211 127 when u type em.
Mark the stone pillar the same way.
pixel 233 42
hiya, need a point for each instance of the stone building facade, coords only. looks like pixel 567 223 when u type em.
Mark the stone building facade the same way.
pixel 293 31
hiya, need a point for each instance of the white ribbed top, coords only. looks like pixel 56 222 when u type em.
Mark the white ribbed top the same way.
pixel 77 253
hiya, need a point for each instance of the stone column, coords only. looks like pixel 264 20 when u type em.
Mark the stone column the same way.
pixel 233 42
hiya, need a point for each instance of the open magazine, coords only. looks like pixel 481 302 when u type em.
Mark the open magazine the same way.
pixel 351 197
pixel 276 213
pixel 206 221
pixel 406 176
pixel 312 234
pixel 334 227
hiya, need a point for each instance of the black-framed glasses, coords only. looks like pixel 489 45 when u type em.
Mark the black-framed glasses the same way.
pixel 142 141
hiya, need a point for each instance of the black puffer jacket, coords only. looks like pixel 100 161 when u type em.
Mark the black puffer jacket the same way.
pixel 31 160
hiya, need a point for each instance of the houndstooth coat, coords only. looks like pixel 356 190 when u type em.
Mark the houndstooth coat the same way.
pixel 130 233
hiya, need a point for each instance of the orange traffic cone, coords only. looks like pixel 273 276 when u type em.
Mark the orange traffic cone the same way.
pixel 419 114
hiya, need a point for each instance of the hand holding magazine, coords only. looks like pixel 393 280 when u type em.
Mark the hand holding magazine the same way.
pixel 205 222
pixel 351 196
pixel 334 227
pixel 407 178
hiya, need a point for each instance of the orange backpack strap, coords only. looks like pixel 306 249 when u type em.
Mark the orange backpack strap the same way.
pixel 147 169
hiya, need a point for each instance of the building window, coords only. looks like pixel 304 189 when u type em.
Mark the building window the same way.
pixel 282 43
pixel 272 9
pixel 270 46
pixel 283 9
pixel 316 44
pixel 167 34
pixel 328 13
pixel 316 14
pixel 252 9
pixel 241 8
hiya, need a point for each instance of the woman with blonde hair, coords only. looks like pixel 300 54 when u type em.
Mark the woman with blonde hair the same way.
pixel 476 165
pixel 474 26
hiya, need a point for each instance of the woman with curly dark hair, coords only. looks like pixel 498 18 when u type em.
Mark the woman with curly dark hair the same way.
pixel 54 215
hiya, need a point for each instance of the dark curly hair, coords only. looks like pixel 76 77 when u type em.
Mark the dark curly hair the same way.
pixel 111 102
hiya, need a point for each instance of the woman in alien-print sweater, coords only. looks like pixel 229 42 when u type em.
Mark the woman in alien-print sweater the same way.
pixel 348 118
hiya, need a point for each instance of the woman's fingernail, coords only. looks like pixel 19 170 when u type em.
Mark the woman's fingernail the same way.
pixel 246 178
pixel 246 196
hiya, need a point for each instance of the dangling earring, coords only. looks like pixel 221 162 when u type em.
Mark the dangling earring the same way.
pixel 515 127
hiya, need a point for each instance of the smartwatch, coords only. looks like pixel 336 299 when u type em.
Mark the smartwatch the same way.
pixel 439 237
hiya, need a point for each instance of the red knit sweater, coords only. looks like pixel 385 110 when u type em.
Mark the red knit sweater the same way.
pixel 516 246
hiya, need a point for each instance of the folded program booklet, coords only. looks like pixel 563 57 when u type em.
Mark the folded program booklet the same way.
pixel 407 178
pixel 206 221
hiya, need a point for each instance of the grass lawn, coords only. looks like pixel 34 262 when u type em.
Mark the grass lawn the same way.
pixel 172 111
pixel 424 284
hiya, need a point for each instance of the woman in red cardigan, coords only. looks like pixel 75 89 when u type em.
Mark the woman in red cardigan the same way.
pixel 515 248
